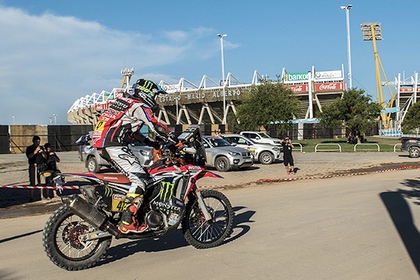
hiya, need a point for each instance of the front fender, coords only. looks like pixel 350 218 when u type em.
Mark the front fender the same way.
pixel 207 173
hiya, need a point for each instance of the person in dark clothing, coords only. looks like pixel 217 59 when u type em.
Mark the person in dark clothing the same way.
pixel 51 159
pixel 287 155
pixel 33 153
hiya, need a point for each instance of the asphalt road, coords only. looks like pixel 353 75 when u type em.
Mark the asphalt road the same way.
pixel 357 227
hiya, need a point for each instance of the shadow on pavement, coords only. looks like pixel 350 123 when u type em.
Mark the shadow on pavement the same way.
pixel 400 213
pixel 175 239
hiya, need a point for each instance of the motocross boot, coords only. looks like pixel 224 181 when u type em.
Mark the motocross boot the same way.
pixel 128 221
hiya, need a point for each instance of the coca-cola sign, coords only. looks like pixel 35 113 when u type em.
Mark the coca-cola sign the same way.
pixel 298 88
pixel 333 86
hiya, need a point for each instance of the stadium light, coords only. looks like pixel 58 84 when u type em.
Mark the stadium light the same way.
pixel 223 76
pixel 348 8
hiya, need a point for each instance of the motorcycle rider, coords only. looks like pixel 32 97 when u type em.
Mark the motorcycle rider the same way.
pixel 116 128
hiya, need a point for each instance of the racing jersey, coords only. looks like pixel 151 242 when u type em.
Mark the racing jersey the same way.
pixel 119 124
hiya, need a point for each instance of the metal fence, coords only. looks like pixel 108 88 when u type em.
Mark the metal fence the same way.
pixel 15 138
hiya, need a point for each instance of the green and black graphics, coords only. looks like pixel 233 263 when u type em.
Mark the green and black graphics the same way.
pixel 169 201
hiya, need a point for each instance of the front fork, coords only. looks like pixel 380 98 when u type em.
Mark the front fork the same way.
pixel 202 205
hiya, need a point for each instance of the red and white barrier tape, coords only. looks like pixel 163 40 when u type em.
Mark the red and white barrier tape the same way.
pixel 41 187
pixel 258 181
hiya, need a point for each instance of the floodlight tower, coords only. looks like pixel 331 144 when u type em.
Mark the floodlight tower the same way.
pixel 373 32
pixel 127 73
pixel 223 77
pixel 348 8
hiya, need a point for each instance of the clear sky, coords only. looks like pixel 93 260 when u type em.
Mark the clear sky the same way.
pixel 54 52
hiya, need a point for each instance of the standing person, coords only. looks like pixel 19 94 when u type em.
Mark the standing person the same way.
pixel 116 128
pixel 33 153
pixel 51 160
pixel 287 155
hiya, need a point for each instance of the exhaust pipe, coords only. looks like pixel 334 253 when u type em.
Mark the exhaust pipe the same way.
pixel 90 213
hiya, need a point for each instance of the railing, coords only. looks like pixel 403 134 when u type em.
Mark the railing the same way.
pixel 395 146
pixel 300 146
pixel 328 150
pixel 367 144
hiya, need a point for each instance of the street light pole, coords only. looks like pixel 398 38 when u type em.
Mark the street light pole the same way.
pixel 223 77
pixel 348 8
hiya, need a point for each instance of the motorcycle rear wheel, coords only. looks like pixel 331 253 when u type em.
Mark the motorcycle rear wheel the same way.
pixel 203 234
pixel 62 245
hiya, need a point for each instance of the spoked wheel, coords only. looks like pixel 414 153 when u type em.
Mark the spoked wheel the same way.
pixel 62 243
pixel 204 234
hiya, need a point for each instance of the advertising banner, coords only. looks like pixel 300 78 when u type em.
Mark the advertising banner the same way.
pixel 329 75
pixel 298 88
pixel 333 86
pixel 296 77
pixel 408 89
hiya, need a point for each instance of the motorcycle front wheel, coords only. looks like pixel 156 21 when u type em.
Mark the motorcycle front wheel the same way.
pixel 203 234
pixel 63 246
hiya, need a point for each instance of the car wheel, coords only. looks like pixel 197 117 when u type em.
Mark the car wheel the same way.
pixel 92 165
pixel 222 164
pixel 414 152
pixel 266 158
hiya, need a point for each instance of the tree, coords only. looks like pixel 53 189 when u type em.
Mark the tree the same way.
pixel 412 120
pixel 354 110
pixel 265 105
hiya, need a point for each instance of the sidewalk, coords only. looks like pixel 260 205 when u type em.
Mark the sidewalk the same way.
pixel 308 165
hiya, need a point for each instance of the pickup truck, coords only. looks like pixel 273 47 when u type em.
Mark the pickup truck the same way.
pixel 412 145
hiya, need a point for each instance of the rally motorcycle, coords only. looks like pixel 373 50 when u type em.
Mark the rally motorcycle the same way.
pixel 79 233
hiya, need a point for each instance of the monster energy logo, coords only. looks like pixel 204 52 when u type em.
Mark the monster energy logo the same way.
pixel 108 192
pixel 166 191
pixel 146 87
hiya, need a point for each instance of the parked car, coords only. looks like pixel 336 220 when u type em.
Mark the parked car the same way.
pixel 412 145
pixel 94 161
pixel 223 156
pixel 264 153
pixel 261 137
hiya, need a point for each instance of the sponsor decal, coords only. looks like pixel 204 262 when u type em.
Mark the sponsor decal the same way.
pixel 120 105
pixel 118 203
pixel 110 178
pixel 192 167
pixel 108 191
pixel 149 113
pixel 165 206
pixel 166 191
pixel 100 126
pixel 173 218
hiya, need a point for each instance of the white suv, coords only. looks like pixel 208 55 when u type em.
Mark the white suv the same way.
pixel 261 137
pixel 264 153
